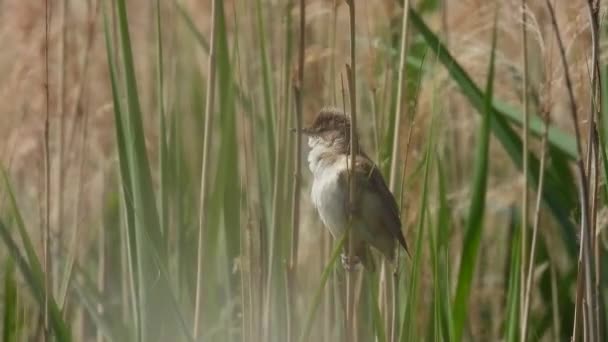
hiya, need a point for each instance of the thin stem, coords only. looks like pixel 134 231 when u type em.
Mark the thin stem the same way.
pixel 407 153
pixel 354 148
pixel 206 148
pixel 62 111
pixel 400 107
pixel 277 207
pixel 101 267
pixel 47 177
pixel 593 145
pixel 554 304
pixel 330 303
pixel 245 203
pixel 348 301
pixel 162 145
pixel 295 205
pixel 72 252
pixel 539 192
pixel 524 218
pixel 400 97
pixel 75 238
pixel 350 291
pixel 585 248
pixel 569 87
pixel 376 136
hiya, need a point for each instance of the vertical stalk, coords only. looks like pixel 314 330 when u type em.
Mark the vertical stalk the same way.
pixel 524 216
pixel 273 294
pixel 555 304
pixel 248 284
pixel 295 205
pixel 47 177
pixel 80 98
pixel 593 145
pixel 273 247
pixel 354 148
pixel 453 151
pixel 101 276
pixel 401 106
pixel 527 290
pixel 400 97
pixel 125 280
pixel 62 111
pixel 350 281
pixel 331 296
pixel 206 148
pixel 585 258
pixel 162 145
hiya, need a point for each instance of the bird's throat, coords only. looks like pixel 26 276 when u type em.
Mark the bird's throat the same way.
pixel 324 154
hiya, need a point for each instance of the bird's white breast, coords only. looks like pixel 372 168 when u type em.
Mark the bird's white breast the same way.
pixel 328 195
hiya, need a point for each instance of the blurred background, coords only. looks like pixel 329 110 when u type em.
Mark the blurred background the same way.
pixel 104 108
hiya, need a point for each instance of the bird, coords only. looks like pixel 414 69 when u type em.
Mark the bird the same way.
pixel 375 214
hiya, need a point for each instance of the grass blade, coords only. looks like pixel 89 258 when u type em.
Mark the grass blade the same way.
pixel 514 289
pixel 442 277
pixel 33 278
pixel 25 238
pixel 244 100
pixel 90 299
pixel 163 161
pixel 267 84
pixel 558 139
pixel 310 317
pixel 9 328
pixel 144 235
pixel 377 322
pixel 407 333
pixel 204 193
pixel 474 225
pixel 126 186
pixel 560 192
pixel 143 196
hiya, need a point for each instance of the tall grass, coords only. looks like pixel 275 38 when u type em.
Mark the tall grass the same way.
pixel 203 231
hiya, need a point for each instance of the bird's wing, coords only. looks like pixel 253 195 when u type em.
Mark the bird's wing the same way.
pixel 368 177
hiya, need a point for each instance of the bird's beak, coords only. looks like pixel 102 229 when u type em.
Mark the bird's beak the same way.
pixel 305 130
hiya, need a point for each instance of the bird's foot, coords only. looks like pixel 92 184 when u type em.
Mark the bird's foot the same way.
pixel 350 263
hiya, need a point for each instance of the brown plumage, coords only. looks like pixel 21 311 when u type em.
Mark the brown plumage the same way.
pixel 375 214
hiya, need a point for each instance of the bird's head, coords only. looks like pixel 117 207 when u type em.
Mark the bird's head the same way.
pixel 331 127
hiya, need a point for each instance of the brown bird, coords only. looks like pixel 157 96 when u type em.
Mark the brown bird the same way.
pixel 375 218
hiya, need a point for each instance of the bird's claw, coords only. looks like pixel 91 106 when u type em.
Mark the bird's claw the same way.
pixel 350 263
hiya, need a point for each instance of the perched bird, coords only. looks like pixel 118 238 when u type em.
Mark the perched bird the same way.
pixel 375 219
